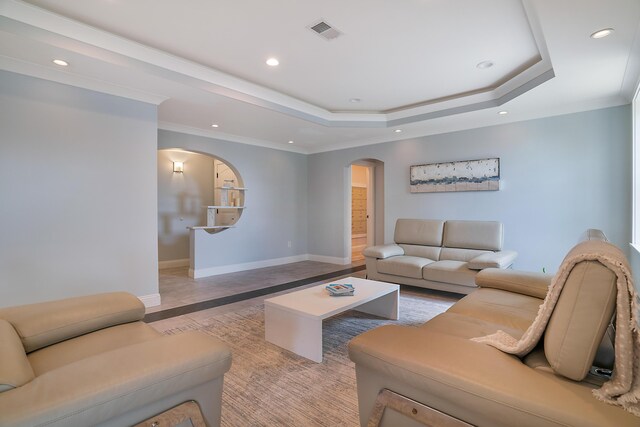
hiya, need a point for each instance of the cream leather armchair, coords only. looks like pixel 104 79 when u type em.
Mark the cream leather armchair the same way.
pixel 92 361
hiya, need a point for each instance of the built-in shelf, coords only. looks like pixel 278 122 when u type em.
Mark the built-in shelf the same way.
pixel 226 212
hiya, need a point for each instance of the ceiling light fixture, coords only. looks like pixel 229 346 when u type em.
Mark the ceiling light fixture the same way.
pixel 355 100
pixel 214 125
pixel 273 62
pixel 485 64
pixel 503 113
pixel 290 142
pixel 398 130
pixel 60 62
pixel 602 33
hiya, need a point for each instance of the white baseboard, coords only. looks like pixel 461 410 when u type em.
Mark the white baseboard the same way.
pixel 232 268
pixel 329 259
pixel 150 300
pixel 173 263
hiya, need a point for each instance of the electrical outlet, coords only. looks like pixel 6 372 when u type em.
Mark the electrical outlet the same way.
pixel 289 244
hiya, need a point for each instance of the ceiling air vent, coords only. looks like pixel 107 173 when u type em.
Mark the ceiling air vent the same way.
pixel 324 30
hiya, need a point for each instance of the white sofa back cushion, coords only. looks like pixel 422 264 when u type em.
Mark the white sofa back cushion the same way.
pixel 483 235
pixel 426 232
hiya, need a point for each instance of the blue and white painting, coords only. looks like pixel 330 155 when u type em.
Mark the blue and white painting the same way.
pixel 468 175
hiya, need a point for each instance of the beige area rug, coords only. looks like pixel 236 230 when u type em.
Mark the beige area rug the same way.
pixel 270 386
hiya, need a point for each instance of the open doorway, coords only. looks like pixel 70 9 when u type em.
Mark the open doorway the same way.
pixel 366 207
pixel 359 211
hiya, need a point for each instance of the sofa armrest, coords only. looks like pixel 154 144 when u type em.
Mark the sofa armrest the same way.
pixel 473 382
pixel 95 389
pixel 500 259
pixel 43 324
pixel 383 251
pixel 521 282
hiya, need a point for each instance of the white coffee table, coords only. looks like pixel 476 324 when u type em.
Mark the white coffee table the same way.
pixel 294 320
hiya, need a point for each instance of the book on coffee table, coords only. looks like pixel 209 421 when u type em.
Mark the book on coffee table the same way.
pixel 340 289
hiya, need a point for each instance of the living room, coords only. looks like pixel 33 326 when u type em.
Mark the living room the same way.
pixel 80 175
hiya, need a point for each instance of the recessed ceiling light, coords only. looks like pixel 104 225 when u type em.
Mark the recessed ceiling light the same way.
pixel 602 33
pixel 290 142
pixel 272 62
pixel 484 64
pixel 60 62
pixel 355 100
pixel 214 125
pixel 398 130
pixel 502 113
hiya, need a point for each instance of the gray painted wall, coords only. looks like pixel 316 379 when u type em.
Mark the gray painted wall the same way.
pixel 560 175
pixel 276 201
pixel 181 197
pixel 79 194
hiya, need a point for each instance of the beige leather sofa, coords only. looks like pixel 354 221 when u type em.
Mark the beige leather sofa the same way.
pixel 92 361
pixel 443 255
pixel 437 365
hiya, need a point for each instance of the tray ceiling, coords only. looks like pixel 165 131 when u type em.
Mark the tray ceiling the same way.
pixel 415 64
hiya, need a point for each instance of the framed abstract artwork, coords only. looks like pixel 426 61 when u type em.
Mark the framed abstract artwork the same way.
pixel 467 175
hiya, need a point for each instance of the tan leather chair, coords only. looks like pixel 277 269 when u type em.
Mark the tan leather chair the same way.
pixel 92 361
pixel 436 372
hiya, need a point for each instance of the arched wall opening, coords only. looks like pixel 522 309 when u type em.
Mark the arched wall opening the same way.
pixel 208 193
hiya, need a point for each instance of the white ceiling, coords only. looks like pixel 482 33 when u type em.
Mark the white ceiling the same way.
pixel 411 63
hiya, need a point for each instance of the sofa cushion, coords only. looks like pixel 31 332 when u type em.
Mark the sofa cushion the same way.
pixel 383 251
pixel 485 235
pixel 15 369
pixel 580 319
pixel 500 259
pixel 407 266
pixel 455 272
pixel 464 326
pixel 419 232
pixel 430 252
pixel 513 311
pixel 521 282
pixel 46 323
pixel 465 255
pixel 84 346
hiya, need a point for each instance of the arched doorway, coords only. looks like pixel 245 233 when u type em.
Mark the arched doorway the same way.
pixel 366 206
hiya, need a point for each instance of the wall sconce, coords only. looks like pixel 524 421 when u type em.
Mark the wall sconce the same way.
pixel 178 167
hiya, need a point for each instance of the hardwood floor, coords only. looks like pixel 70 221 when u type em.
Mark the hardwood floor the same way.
pixel 177 289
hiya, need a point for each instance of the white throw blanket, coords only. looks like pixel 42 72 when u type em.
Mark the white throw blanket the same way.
pixel 623 388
